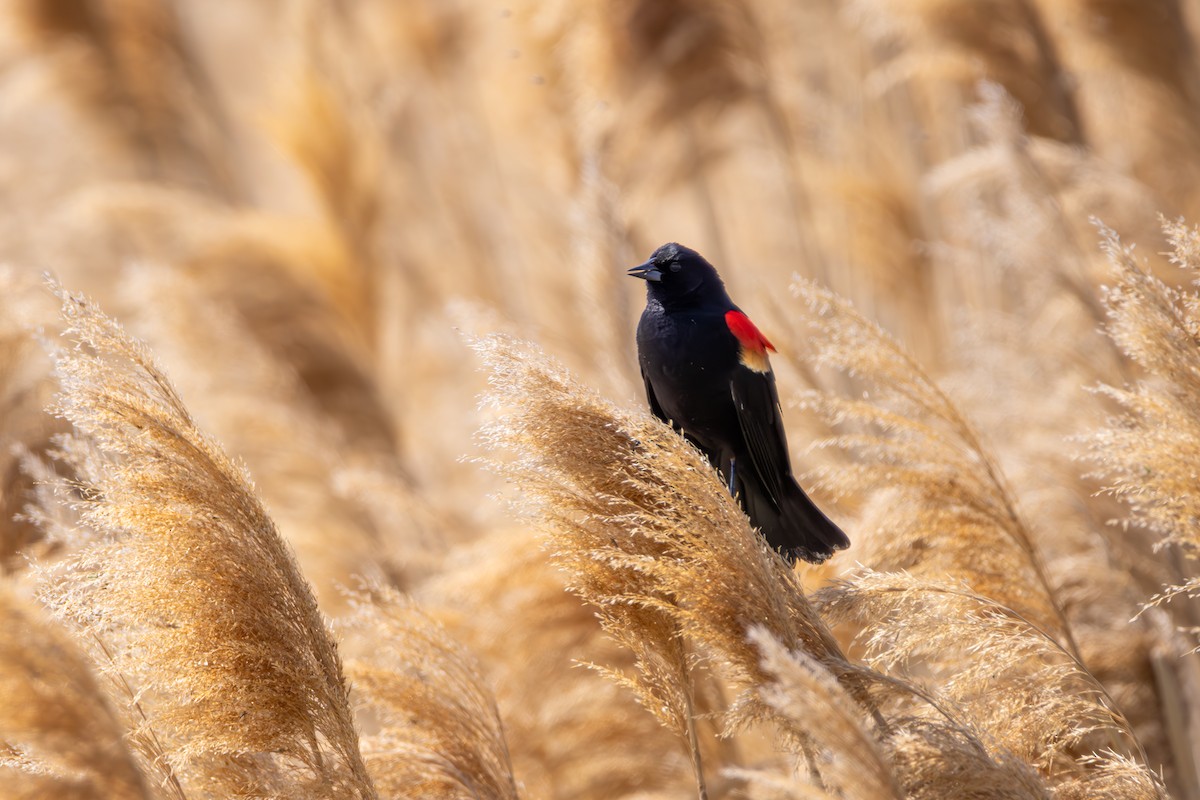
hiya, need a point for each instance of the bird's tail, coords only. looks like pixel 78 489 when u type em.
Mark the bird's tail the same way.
pixel 794 526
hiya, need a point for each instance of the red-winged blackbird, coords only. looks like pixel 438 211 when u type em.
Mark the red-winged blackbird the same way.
pixel 707 374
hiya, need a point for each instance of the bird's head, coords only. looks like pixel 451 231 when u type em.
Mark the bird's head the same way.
pixel 677 273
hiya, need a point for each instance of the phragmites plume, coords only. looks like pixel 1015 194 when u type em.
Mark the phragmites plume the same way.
pixel 853 764
pixel 441 735
pixel 530 632
pixel 194 604
pixel 699 50
pixel 26 385
pixel 1146 454
pixel 945 508
pixel 1026 695
pixel 947 514
pixel 59 737
pixel 256 407
pixel 649 536
pixel 917 754
pixel 340 152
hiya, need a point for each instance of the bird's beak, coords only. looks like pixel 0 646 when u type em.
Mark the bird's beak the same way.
pixel 647 272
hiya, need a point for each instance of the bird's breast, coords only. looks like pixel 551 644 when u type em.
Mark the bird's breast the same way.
pixel 689 361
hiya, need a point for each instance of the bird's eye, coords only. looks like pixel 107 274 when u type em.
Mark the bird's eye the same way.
pixel 676 266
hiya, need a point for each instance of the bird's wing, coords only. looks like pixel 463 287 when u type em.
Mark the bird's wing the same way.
pixel 655 408
pixel 761 421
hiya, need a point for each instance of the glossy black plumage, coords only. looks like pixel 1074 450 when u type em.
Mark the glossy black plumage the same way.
pixel 706 373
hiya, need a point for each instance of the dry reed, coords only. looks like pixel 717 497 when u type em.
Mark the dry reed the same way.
pixel 1144 452
pixel 948 511
pixel 316 183
pixel 441 734
pixel 937 502
pixel 261 410
pixel 1007 678
pixel 649 538
pixel 572 733
pixel 26 386
pixel 188 596
pixel 59 737
pixel 852 762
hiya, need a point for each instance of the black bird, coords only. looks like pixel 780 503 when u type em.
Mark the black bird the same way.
pixel 707 374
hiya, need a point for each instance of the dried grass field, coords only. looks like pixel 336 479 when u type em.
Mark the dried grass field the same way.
pixel 325 467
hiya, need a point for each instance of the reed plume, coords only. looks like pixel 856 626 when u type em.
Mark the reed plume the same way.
pixel 936 43
pixel 653 542
pixel 26 386
pixel 1029 329
pixel 441 734
pixel 945 507
pixel 1014 682
pixel 192 601
pixel 59 737
pixel 852 761
pixel 261 410
pixel 572 732
pixel 277 274
pixel 945 498
pixel 339 150
pixel 1137 88
pixel 1143 453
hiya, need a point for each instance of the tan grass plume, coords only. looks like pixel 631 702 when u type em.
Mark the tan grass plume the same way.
pixel 572 733
pixel 937 502
pixel 59 737
pixel 1146 452
pixel 853 762
pixel 649 537
pixel 1005 677
pixel 189 596
pixel 441 734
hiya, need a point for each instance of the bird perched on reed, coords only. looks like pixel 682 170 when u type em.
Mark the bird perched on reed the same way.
pixel 707 374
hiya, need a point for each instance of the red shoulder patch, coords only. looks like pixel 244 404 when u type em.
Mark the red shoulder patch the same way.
pixel 747 334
